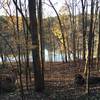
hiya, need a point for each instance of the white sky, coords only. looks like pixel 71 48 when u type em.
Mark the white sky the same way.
pixel 46 9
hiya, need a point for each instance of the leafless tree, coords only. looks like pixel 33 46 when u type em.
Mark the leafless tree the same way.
pixel 38 77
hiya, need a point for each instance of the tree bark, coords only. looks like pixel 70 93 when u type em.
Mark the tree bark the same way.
pixel 41 36
pixel 90 37
pixel 83 29
pixel 38 78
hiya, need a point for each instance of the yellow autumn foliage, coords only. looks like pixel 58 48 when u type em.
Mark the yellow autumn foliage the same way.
pixel 57 33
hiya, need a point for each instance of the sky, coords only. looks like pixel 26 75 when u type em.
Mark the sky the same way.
pixel 48 11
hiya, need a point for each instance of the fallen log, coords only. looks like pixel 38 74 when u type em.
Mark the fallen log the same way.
pixel 80 80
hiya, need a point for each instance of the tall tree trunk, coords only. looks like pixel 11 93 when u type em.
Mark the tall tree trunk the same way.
pixel 86 53
pixel 98 50
pixel 38 78
pixel 93 32
pixel 74 30
pixel 90 37
pixel 83 29
pixel 99 40
pixel 19 53
pixel 41 35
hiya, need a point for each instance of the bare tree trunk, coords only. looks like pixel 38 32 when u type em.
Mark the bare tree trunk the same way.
pixel 83 29
pixel 38 77
pixel 90 37
pixel 98 49
pixel 94 26
pixel 54 49
pixel 74 30
pixel 41 36
pixel 78 48
pixel 99 39
pixel 19 54
pixel 86 53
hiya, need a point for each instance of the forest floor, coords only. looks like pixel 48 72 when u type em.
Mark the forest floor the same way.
pixel 59 84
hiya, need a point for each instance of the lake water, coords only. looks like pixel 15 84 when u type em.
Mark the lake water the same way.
pixel 48 57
